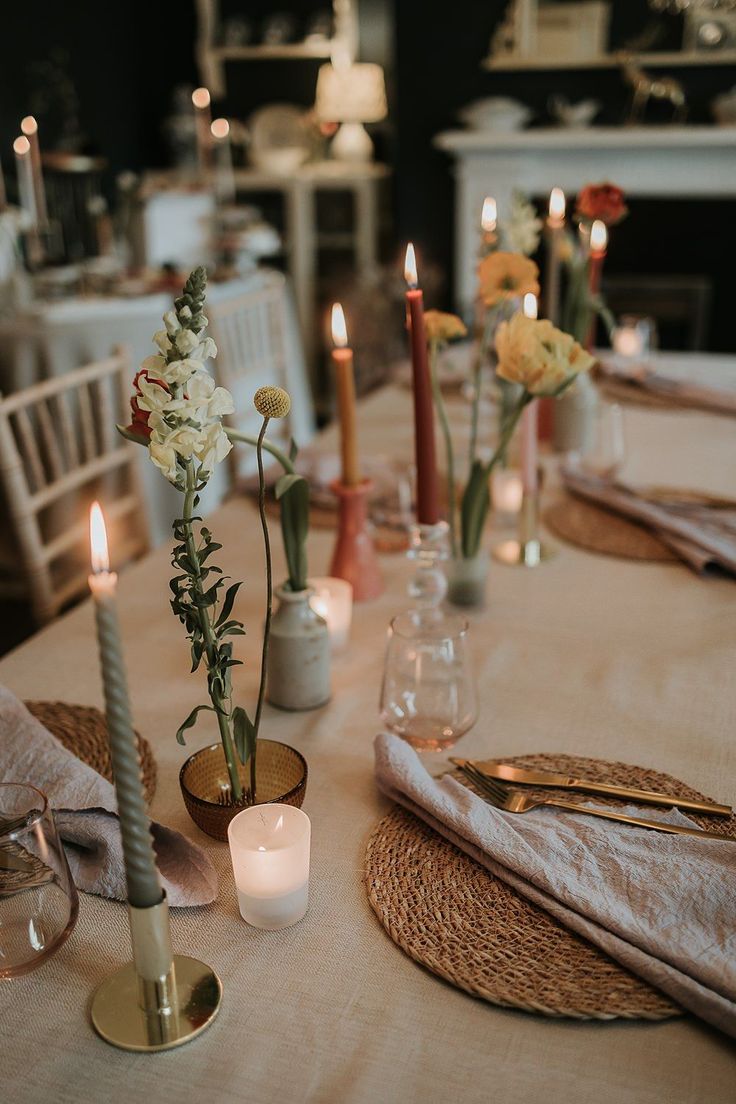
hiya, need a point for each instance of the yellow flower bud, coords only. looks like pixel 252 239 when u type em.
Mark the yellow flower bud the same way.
pixel 440 326
pixel 272 402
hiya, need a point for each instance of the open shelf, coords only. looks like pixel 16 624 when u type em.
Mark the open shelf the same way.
pixel 287 51
pixel 675 58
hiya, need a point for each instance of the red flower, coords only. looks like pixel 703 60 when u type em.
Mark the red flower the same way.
pixel 601 201
pixel 139 424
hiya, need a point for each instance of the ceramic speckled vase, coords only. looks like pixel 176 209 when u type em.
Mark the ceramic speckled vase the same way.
pixel 299 654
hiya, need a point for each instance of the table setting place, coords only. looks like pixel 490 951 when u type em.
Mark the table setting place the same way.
pixel 536 871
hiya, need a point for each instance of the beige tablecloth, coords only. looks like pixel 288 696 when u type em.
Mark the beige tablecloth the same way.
pixel 587 654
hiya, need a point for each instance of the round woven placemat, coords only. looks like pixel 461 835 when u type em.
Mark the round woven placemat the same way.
pixel 82 729
pixel 455 918
pixel 598 530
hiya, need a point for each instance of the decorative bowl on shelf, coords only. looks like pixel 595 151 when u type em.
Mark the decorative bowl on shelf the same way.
pixel 499 113
pixel 281 777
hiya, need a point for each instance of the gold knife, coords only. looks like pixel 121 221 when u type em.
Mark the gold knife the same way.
pixel 521 775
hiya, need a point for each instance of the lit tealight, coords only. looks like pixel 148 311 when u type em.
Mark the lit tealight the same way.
pixel 489 215
pixel 333 601
pixel 269 849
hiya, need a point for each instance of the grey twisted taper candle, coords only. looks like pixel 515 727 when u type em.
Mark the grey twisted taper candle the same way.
pixel 144 885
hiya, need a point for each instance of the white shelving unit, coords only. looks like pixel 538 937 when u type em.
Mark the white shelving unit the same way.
pixel 674 59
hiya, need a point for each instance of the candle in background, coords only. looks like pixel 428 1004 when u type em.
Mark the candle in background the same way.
pixel 203 117
pixel 333 601
pixel 24 168
pixel 628 342
pixel 342 359
pixel 144 886
pixel 555 231
pixel 597 253
pixel 224 175
pixel 529 423
pixel 427 483
pixel 489 221
pixel 269 849
pixel 29 127
pixel 506 490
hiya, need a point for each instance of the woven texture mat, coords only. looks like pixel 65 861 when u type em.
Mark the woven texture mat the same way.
pixel 590 526
pixel 82 729
pixel 455 918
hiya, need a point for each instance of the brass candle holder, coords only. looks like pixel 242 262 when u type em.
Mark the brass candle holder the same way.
pixel 159 1000
pixel 528 550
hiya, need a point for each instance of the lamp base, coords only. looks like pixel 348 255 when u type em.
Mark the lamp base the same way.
pixel 119 1019
pixel 352 143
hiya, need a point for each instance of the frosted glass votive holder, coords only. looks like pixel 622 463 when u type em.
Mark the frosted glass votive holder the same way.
pixel 269 849
pixel 333 601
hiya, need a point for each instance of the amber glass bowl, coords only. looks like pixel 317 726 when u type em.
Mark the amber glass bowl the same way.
pixel 281 776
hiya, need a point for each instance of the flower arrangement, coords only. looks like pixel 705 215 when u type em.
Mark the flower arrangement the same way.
pixel 177 413
pixel 601 201
pixel 606 203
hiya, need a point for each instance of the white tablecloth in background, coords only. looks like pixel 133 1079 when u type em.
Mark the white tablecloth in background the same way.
pixel 54 338
pixel 587 654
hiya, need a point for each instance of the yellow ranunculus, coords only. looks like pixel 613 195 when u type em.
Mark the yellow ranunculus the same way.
pixel 441 326
pixel 533 353
pixel 506 276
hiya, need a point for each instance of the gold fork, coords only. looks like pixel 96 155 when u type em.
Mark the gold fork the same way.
pixel 512 802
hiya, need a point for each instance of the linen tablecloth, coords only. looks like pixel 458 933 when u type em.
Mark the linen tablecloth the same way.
pixel 586 654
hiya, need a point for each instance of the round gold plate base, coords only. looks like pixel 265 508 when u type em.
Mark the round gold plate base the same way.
pixel 513 553
pixel 119 1019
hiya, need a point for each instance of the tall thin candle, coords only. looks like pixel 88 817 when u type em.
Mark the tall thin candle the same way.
pixel 598 245
pixel 203 116
pixel 144 885
pixel 555 230
pixel 342 358
pixel 529 427
pixel 27 195
pixel 488 223
pixel 224 176
pixel 29 127
pixel 427 484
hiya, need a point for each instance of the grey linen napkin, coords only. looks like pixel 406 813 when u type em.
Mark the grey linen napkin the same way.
pixel 672 392
pixel 703 536
pixel 661 905
pixel 85 807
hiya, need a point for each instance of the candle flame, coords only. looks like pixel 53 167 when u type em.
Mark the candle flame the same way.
pixel 28 125
pixel 21 146
pixel 489 215
pixel 598 237
pixel 201 98
pixel 410 267
pixel 557 205
pixel 530 307
pixel 339 328
pixel 220 128
pixel 98 540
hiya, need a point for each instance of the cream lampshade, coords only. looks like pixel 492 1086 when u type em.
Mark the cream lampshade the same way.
pixel 352 95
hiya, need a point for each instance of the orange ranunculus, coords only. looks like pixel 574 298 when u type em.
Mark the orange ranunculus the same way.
pixel 601 201
pixel 506 276
pixel 441 326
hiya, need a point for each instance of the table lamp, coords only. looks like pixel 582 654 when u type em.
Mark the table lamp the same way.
pixel 352 95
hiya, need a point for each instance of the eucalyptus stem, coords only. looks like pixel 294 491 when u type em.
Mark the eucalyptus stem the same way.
pixel 269 587
pixel 441 409
pixel 210 644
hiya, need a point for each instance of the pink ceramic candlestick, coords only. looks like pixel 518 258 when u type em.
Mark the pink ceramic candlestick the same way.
pixel 354 558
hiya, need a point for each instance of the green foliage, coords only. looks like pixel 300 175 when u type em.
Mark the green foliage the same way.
pixel 292 492
pixel 474 508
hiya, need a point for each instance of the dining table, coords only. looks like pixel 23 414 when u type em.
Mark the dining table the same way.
pixel 585 654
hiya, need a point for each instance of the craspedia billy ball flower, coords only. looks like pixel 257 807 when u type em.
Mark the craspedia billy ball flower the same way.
pixel 272 402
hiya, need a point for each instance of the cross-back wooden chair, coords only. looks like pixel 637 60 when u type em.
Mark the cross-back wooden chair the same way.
pixel 251 331
pixel 59 450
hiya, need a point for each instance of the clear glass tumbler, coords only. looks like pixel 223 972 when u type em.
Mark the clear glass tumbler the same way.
pixel 428 695
pixel 38 899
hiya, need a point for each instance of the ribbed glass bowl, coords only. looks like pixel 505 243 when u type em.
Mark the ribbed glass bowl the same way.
pixel 281 777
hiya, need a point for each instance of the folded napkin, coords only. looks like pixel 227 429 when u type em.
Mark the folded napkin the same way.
pixel 702 534
pixel 671 392
pixel 661 905
pixel 85 807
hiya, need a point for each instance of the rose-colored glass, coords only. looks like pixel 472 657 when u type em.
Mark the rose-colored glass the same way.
pixel 38 899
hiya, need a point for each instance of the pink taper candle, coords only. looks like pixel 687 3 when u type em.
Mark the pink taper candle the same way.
pixel 529 428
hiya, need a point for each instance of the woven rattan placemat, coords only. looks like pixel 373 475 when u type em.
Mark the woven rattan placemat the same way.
pixel 82 729
pixel 598 530
pixel 455 918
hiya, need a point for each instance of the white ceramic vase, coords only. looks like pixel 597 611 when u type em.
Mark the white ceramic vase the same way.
pixel 299 654
pixel 575 417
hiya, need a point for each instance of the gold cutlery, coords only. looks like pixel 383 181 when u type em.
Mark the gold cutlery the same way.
pixel 495 793
pixel 504 772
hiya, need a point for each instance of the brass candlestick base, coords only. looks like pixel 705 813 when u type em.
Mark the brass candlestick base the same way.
pixel 528 550
pixel 158 1001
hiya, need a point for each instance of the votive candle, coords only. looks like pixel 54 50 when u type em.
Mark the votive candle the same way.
pixel 333 600
pixel 269 849
pixel 428 512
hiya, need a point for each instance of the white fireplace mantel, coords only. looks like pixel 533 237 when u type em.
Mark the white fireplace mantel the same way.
pixel 697 161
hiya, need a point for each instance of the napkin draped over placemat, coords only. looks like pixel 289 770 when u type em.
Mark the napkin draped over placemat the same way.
pixel 701 531
pixel 641 382
pixel 661 905
pixel 85 810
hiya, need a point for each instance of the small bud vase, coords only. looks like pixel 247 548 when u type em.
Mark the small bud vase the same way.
pixel 299 654
pixel 575 417
pixel 466 580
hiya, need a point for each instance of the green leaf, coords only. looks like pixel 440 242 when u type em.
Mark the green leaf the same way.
pixel 293 493
pixel 244 734
pixel 227 604
pixel 189 722
pixel 474 509
pixel 293 450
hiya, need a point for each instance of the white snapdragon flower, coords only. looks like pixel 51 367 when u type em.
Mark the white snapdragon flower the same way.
pixel 201 391
pixel 164 457
pixel 185 313
pixel 186 342
pixel 214 445
pixel 154 366
pixel 171 322
pixel 206 350
pixel 152 396
pixel 180 371
pixel 162 340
